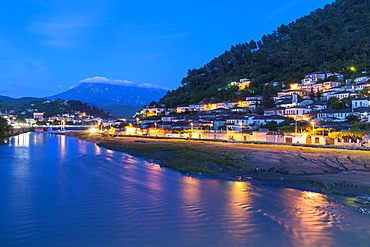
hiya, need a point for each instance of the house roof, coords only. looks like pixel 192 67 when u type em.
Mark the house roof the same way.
pixel 237 117
pixel 361 98
pixel 330 110
pixel 362 83
pixel 345 92
pixel 276 109
pixel 277 117
pixel 361 109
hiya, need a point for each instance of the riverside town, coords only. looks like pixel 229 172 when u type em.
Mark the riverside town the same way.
pixel 323 109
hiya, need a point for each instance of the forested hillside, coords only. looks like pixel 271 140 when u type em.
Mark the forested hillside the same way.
pixel 51 108
pixel 330 39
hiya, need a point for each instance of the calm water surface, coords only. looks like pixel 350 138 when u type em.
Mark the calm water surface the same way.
pixel 59 191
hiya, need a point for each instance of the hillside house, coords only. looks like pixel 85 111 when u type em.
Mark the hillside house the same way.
pixel 314 77
pixel 363 113
pixel 361 86
pixel 236 122
pixel 317 106
pixel 274 111
pixel 360 102
pixel 253 100
pixel 256 121
pixel 333 115
pixel 181 109
pixel 38 115
pixel 153 111
pixel 339 95
pixel 297 112
pixel 362 79
pixel 243 84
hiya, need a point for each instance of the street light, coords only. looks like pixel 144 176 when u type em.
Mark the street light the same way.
pixel 191 124
pixel 313 127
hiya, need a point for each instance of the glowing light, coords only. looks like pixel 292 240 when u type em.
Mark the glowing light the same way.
pixel 92 130
pixel 295 86
pixel 352 68
pixel 313 127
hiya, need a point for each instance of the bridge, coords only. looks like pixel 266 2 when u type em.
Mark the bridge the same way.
pixel 63 127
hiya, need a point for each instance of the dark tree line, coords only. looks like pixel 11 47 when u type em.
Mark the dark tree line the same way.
pixel 330 39
pixel 4 127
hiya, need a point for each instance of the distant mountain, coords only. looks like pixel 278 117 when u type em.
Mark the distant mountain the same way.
pixel 121 111
pixel 102 94
pixel 19 100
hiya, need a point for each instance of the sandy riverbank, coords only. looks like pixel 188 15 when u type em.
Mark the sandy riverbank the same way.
pixel 318 169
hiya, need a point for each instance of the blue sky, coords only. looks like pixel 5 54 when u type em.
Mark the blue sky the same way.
pixel 49 46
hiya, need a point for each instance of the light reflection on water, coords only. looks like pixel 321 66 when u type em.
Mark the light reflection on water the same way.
pixel 58 191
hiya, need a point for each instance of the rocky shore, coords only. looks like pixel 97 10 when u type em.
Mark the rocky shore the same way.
pixel 324 170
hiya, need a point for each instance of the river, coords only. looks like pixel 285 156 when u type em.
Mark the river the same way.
pixel 56 190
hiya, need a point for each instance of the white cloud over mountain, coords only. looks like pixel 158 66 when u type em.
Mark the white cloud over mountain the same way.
pixel 102 79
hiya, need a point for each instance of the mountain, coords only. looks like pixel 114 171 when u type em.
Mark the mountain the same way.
pixel 103 94
pixel 121 111
pixel 19 100
pixel 335 38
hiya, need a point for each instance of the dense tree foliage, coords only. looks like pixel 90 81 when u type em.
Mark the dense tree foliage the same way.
pixel 51 108
pixel 334 39
pixel 4 126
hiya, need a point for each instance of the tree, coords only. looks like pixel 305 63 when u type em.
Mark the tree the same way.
pixel 352 118
pixel 272 126
pixel 4 126
pixel 335 103
pixel 365 92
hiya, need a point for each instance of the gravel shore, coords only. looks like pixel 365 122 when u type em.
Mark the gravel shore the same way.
pixel 326 170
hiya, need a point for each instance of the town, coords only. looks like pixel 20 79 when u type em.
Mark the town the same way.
pixel 307 113
pixel 322 109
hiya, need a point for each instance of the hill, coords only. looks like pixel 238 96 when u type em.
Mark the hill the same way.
pixel 19 100
pixel 51 108
pixel 103 94
pixel 333 39
pixel 121 111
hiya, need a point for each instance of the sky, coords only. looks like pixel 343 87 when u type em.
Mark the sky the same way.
pixel 50 46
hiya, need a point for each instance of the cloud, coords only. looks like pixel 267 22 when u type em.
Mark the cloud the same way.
pixel 101 79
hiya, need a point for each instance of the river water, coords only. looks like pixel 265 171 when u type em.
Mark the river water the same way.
pixel 58 191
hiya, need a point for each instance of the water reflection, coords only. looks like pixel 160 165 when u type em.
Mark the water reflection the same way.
pixel 62 148
pixel 309 222
pixel 22 140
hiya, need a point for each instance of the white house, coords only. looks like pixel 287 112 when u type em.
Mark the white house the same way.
pixel 362 79
pixel 334 115
pixel 256 121
pixel 360 102
pixel 274 111
pixel 317 107
pixel 153 111
pixel 180 109
pixel 236 122
pixel 314 77
pixel 363 113
pixel 253 100
pixel 339 95
pixel 361 86
pixel 297 112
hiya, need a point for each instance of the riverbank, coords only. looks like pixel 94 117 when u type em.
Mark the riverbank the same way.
pixel 325 170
